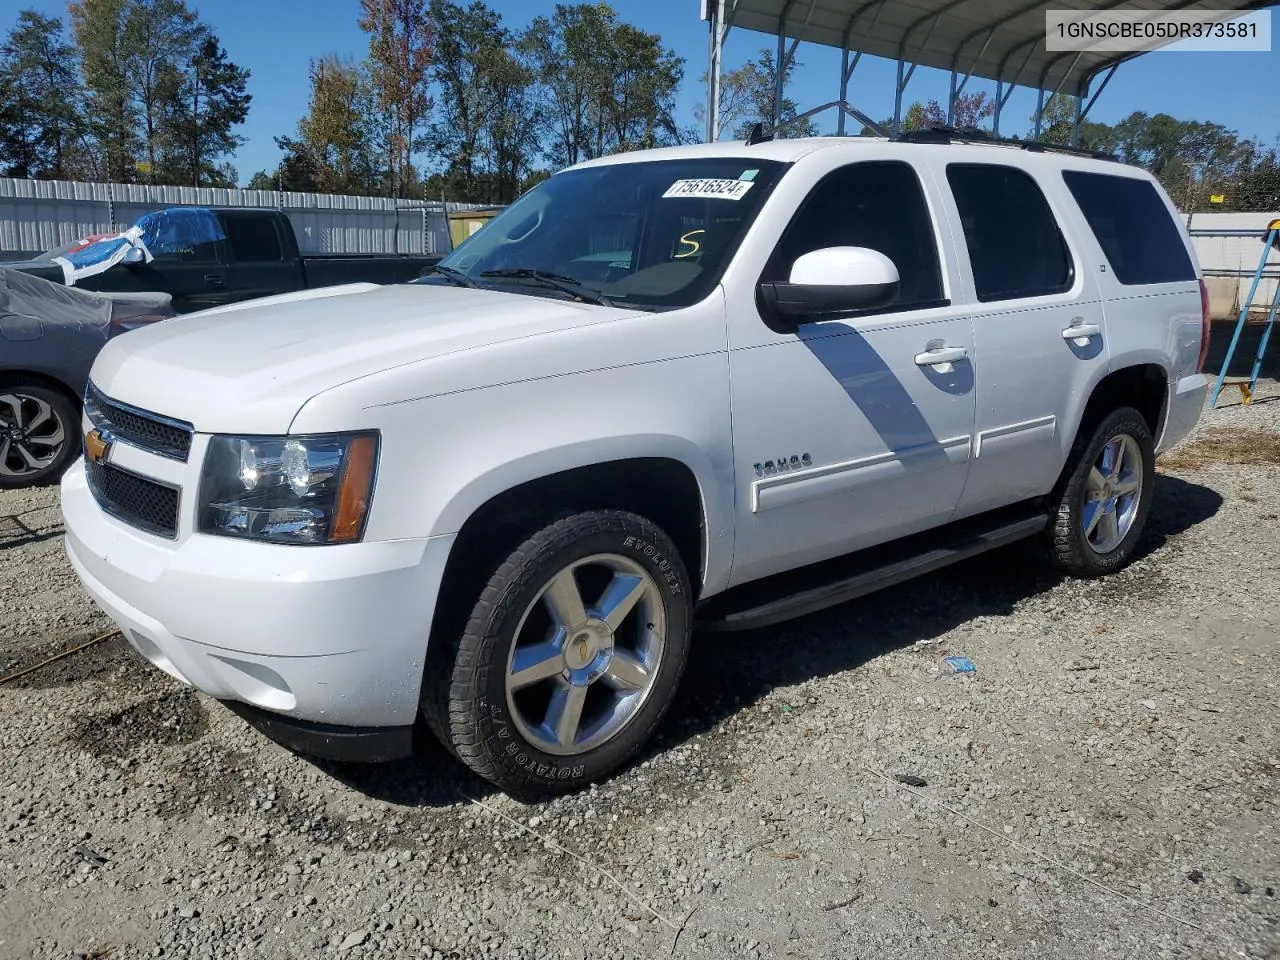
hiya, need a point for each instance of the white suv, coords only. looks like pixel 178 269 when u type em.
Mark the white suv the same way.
pixel 717 385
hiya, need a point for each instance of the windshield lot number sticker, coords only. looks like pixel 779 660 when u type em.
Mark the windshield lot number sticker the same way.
pixel 714 189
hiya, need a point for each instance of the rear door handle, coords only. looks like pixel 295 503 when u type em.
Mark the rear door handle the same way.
pixel 213 280
pixel 1081 331
pixel 941 355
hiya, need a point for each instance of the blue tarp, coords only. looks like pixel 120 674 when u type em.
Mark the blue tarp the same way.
pixel 176 230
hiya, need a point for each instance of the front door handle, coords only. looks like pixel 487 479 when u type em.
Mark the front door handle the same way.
pixel 213 280
pixel 1081 331
pixel 940 355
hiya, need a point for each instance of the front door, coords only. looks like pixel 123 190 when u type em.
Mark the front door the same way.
pixel 853 431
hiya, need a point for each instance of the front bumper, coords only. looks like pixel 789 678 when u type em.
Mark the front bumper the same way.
pixel 328 741
pixel 330 635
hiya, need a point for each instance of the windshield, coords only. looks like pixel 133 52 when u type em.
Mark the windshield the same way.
pixel 66 248
pixel 655 234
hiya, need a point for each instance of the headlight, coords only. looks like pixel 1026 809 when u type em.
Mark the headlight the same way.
pixel 288 489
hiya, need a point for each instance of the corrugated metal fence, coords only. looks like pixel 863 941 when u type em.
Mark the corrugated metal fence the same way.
pixel 39 215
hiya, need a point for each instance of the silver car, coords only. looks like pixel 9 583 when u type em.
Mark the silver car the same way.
pixel 49 337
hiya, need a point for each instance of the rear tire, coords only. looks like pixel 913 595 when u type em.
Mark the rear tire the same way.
pixel 1100 505
pixel 569 659
pixel 39 433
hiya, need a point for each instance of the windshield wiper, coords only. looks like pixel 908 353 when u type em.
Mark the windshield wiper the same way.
pixel 456 277
pixel 557 281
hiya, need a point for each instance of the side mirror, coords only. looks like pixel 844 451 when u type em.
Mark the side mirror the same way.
pixel 133 255
pixel 832 281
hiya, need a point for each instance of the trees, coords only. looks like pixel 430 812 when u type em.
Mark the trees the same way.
pixel 163 98
pixel 971 110
pixel 40 121
pixel 746 98
pixel 158 37
pixel 200 111
pixel 99 30
pixel 605 85
pixel 1192 159
pixel 401 38
pixel 334 150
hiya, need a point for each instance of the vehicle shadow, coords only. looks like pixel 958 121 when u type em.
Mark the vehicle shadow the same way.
pixel 15 532
pixel 728 672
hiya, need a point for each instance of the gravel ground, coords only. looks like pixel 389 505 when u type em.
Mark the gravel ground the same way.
pixel 1105 785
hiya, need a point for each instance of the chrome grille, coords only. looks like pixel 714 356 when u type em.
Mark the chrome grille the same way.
pixel 146 504
pixel 160 435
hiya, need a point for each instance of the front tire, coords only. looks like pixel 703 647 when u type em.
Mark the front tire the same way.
pixel 1100 506
pixel 570 657
pixel 39 434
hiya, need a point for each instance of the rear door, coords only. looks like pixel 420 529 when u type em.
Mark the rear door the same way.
pixel 1038 319
pixel 260 264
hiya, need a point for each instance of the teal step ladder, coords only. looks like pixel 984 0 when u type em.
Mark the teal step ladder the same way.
pixel 1272 239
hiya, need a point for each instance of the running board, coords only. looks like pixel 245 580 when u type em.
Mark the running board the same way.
pixel 966 541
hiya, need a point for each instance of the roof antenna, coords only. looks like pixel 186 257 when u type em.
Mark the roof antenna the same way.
pixel 757 135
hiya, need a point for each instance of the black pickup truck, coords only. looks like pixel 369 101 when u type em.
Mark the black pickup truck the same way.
pixel 208 256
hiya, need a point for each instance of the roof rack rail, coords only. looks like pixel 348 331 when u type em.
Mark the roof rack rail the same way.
pixel 942 133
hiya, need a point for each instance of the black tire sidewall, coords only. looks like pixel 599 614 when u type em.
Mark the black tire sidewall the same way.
pixel 66 411
pixel 1074 551
pixel 521 765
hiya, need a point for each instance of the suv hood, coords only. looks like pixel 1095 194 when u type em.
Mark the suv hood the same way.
pixel 249 367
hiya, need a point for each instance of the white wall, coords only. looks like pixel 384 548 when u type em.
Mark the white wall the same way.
pixel 1236 253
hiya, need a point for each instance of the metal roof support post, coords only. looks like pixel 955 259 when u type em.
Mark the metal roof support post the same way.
pixel 779 74
pixel 713 70
pixel 844 88
pixel 781 62
pixel 1075 120
pixel 957 90
pixel 847 67
pixel 1043 80
pixel 897 99
pixel 1082 108
pixel 1039 112
pixel 1004 90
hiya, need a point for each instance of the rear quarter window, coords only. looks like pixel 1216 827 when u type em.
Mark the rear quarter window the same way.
pixel 1133 226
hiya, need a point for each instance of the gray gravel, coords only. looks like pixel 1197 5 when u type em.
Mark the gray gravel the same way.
pixel 1124 729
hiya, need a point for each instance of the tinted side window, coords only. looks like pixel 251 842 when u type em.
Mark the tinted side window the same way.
pixel 1139 238
pixel 171 244
pixel 875 205
pixel 253 239
pixel 1015 245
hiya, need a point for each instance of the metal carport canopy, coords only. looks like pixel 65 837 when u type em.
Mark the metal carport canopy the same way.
pixel 1001 40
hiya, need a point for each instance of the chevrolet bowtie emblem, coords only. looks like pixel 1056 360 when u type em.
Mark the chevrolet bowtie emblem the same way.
pixel 97 445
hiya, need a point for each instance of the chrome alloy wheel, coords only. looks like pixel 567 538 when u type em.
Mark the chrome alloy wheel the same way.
pixel 1112 494
pixel 579 671
pixel 31 435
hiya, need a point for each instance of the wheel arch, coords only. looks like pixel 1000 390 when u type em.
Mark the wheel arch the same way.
pixel 17 374
pixel 513 499
pixel 1142 384
pixel 626 472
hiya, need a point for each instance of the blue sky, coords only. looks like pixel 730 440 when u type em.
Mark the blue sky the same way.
pixel 275 39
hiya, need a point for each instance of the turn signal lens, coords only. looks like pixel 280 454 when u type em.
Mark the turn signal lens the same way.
pixel 354 489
